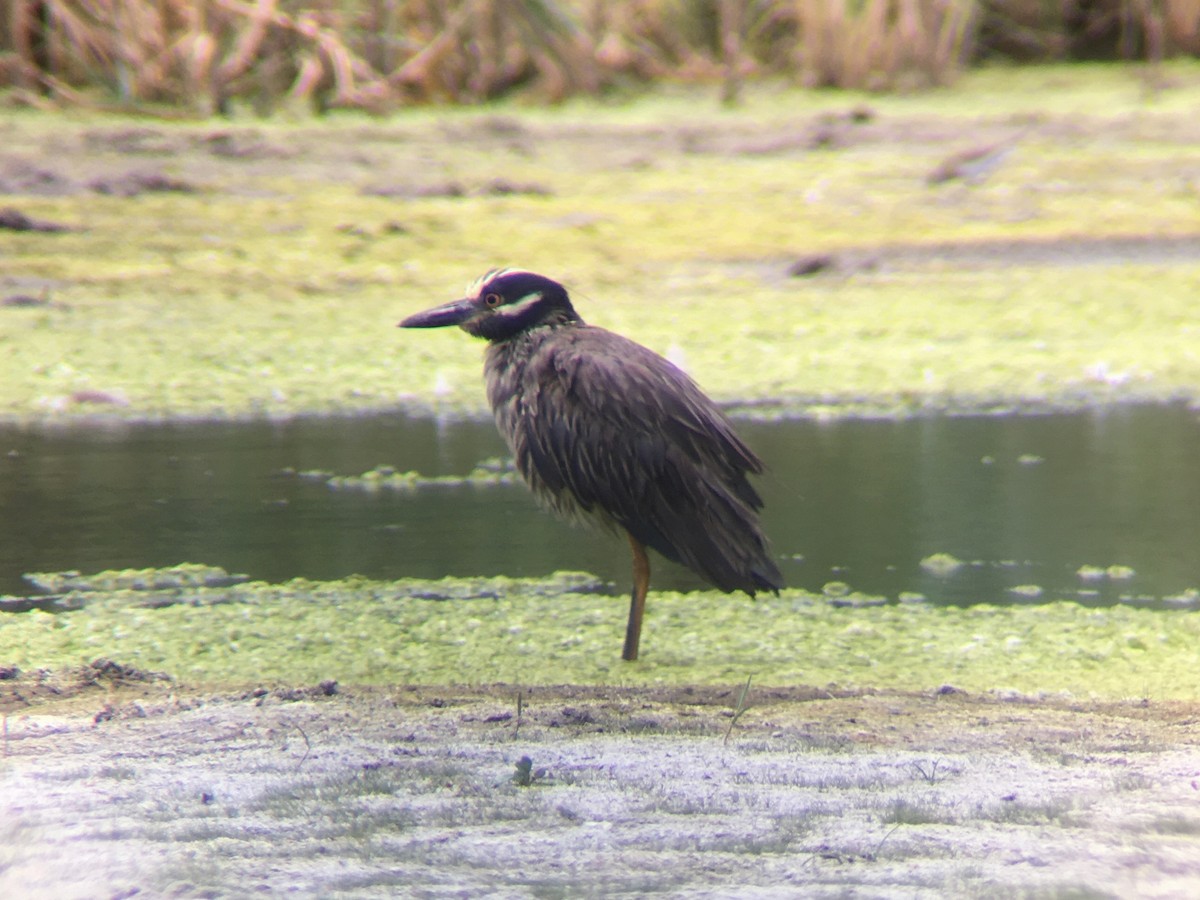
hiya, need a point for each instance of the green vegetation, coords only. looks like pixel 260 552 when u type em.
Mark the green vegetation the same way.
pixel 529 632
pixel 273 288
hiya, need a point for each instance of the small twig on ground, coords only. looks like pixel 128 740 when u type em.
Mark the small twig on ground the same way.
pixel 307 747
pixel 520 709
pixel 739 709
pixel 931 776
pixel 874 853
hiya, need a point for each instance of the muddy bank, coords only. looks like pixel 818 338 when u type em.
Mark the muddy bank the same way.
pixel 325 792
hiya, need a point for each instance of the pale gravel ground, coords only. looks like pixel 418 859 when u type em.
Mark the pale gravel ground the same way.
pixel 411 793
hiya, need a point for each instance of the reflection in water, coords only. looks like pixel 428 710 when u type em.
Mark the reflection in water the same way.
pixel 1023 501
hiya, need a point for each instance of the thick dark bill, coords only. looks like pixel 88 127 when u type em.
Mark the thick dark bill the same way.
pixel 453 313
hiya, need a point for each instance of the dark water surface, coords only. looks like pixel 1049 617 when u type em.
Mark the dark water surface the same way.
pixel 1023 501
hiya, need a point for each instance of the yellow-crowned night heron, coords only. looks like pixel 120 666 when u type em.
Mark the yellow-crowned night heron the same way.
pixel 606 429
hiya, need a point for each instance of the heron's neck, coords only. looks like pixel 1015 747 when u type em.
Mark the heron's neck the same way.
pixel 516 361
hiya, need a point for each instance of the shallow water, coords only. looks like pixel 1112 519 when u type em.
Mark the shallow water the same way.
pixel 1023 501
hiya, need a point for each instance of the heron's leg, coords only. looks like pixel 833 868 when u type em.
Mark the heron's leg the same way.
pixel 637 605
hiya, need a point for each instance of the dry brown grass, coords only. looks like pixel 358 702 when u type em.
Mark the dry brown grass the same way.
pixel 1103 29
pixel 380 54
pixel 367 54
pixel 879 43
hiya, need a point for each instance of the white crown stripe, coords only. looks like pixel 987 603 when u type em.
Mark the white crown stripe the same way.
pixel 475 288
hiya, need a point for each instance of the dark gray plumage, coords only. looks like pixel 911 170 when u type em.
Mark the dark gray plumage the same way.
pixel 603 428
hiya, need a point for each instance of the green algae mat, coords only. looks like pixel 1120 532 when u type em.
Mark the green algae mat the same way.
pixel 559 630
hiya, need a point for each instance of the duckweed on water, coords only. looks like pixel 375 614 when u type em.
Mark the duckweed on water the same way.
pixel 488 473
pixel 1027 591
pixel 358 631
pixel 943 564
pixel 186 575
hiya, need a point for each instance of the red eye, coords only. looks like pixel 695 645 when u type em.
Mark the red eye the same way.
pixel 492 300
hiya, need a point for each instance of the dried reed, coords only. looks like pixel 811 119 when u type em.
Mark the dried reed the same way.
pixel 207 55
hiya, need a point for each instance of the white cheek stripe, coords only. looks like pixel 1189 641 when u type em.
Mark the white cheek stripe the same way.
pixel 519 308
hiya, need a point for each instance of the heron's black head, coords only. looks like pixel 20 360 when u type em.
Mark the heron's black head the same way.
pixel 500 305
